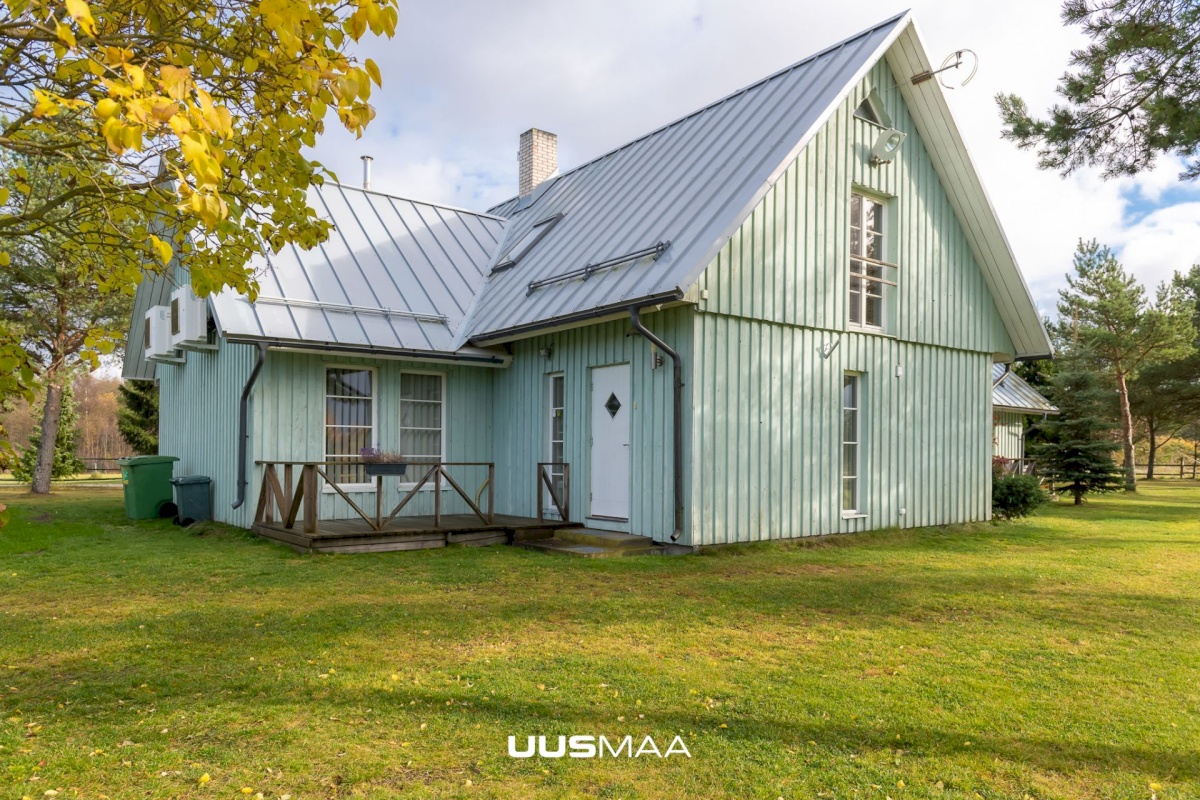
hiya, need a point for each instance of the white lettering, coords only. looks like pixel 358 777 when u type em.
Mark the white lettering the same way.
pixel 627 742
pixel 583 747
pixel 559 753
pixel 652 749
pixel 682 747
pixel 515 753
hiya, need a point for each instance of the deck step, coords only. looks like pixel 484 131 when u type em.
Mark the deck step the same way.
pixel 566 548
pixel 598 538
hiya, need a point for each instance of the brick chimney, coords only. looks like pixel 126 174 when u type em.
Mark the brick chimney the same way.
pixel 537 159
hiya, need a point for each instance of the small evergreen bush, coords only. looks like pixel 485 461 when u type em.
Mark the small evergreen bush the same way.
pixel 1016 496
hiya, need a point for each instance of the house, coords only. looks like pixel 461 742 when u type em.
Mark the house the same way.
pixel 1015 406
pixel 775 317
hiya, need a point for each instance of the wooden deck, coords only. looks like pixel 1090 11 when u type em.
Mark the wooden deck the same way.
pixel 408 533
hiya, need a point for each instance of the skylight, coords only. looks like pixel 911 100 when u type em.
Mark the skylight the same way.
pixel 526 243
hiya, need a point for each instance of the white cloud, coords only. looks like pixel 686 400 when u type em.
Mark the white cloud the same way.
pixel 462 79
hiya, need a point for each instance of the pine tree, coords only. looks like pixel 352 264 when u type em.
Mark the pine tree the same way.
pixel 1075 454
pixel 66 461
pixel 137 416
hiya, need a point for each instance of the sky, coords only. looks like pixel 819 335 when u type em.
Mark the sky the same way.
pixel 463 78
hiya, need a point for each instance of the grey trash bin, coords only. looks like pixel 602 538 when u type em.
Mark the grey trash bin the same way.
pixel 193 496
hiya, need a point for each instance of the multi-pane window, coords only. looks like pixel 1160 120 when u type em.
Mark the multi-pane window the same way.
pixel 851 408
pixel 422 419
pixel 556 400
pixel 349 422
pixel 867 262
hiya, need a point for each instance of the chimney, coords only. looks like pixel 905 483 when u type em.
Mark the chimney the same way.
pixel 366 171
pixel 537 159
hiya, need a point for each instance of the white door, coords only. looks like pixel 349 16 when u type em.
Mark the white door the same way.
pixel 611 408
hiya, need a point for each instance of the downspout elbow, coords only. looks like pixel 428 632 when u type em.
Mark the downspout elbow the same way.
pixel 244 424
pixel 677 421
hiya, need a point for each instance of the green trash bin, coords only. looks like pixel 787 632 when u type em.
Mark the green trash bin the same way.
pixel 147 483
pixel 193 498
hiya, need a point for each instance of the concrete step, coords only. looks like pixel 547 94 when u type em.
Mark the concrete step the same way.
pixel 578 550
pixel 599 538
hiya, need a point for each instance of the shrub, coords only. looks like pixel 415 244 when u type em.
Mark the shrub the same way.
pixel 1016 496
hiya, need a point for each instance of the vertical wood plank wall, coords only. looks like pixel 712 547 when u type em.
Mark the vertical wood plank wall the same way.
pixel 1008 435
pixel 198 422
pixel 521 421
pixel 767 415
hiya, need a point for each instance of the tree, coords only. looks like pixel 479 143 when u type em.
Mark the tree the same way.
pixel 56 309
pixel 1166 399
pixel 1133 92
pixel 1106 318
pixel 64 461
pixel 137 416
pixel 195 112
pixel 1075 454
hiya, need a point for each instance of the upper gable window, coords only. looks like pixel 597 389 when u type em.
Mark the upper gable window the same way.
pixel 871 109
pixel 526 243
pixel 869 272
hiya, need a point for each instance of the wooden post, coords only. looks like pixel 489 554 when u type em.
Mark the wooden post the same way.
pixel 287 491
pixel 437 497
pixel 378 502
pixel 308 474
pixel 491 514
pixel 566 498
pixel 541 495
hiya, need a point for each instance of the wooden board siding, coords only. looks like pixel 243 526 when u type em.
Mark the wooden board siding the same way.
pixel 767 432
pixel 290 400
pixel 1008 434
pixel 521 422
pixel 788 262
pixel 198 421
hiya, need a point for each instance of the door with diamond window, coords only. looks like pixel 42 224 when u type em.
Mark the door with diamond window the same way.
pixel 611 408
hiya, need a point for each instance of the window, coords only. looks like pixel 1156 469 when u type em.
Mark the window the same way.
pixel 867 250
pixel 526 243
pixel 349 422
pixel 422 419
pixel 851 407
pixel 871 109
pixel 556 402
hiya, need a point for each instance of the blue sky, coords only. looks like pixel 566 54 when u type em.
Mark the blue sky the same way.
pixel 463 78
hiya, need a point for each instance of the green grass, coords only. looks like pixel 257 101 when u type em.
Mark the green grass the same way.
pixel 1052 658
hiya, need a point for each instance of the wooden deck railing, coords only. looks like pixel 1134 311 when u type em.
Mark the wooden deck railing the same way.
pixel 288 498
pixel 545 479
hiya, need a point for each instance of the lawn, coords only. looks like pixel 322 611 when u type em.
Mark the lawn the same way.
pixel 1057 657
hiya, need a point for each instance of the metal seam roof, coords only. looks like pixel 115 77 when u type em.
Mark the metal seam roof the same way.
pixel 691 182
pixel 394 274
pixel 1010 392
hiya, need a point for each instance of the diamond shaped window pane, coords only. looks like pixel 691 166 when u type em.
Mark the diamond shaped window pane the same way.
pixel 613 405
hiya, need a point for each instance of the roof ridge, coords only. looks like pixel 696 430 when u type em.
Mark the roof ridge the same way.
pixel 431 203
pixel 721 101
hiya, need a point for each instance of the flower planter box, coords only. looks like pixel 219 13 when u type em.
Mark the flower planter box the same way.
pixel 394 468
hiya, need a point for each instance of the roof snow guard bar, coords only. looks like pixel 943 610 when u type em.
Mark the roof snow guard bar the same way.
pixel 587 271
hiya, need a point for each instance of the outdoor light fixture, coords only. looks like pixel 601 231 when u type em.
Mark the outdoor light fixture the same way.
pixel 546 352
pixel 886 145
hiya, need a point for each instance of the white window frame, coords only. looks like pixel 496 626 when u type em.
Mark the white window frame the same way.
pixel 856 512
pixel 885 234
pixel 369 486
pixel 551 377
pixel 413 474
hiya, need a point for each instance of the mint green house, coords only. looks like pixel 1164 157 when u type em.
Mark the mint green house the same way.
pixel 775 317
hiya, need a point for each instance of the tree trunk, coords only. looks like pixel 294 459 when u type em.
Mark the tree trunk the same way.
pixel 1126 432
pixel 44 468
pixel 1077 490
pixel 1153 436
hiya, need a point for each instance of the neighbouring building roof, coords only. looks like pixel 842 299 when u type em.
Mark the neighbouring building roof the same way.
pixel 1011 393
pixel 394 274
